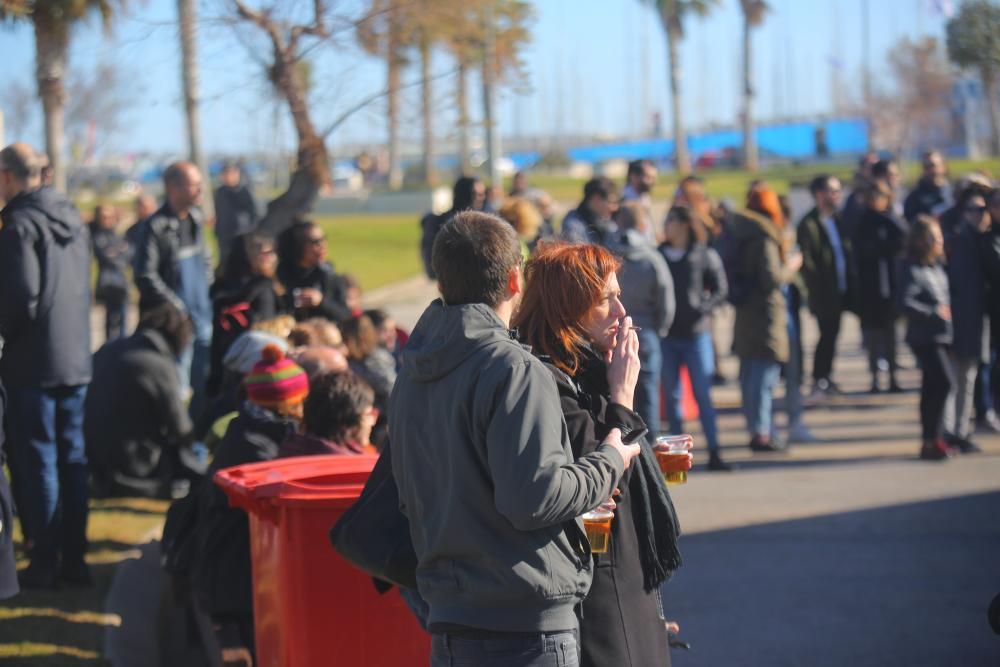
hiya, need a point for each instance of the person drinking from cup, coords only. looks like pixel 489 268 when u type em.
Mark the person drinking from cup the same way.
pixel 574 321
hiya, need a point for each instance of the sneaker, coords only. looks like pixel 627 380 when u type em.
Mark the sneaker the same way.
pixel 716 464
pixel 989 423
pixel 894 388
pixel 800 433
pixel 962 445
pixel 875 389
pixel 772 444
pixel 815 397
pixel 937 450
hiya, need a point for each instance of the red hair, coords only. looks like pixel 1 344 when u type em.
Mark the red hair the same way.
pixel 563 282
pixel 765 201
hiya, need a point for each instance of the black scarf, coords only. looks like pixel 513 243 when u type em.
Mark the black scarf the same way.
pixel 653 512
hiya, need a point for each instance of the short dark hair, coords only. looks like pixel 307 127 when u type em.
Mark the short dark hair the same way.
pixel 819 184
pixel 881 168
pixel 170 322
pixel 601 186
pixel 377 316
pixel 636 167
pixel 175 174
pixel 463 194
pixel 335 405
pixel 473 254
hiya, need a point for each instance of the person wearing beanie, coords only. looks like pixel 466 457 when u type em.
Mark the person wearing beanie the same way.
pixel 275 389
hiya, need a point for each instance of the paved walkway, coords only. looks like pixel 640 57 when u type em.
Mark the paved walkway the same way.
pixel 848 551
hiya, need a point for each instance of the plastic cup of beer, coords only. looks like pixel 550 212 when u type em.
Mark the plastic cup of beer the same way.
pixel 672 455
pixel 597 523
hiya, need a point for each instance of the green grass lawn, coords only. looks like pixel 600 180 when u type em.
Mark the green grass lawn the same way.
pixel 67 626
pixel 375 249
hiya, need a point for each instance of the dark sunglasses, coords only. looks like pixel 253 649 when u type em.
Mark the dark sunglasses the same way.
pixel 316 241
pixel 976 209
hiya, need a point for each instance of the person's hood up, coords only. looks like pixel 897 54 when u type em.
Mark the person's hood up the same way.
pixel 446 336
pixel 632 245
pixel 62 219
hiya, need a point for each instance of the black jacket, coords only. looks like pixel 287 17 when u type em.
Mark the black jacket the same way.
pixel 8 565
pixel 112 254
pixel 44 292
pixel 968 290
pixel 323 278
pixel 819 265
pixel 700 287
pixel 160 244
pixel 878 243
pixel 923 290
pixel 620 624
pixel 928 198
pixel 235 214
pixel 990 256
pixel 236 307
pixel 222 577
pixel 134 420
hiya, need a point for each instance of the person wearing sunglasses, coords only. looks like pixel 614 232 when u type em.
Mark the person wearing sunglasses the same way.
pixel 971 335
pixel 313 289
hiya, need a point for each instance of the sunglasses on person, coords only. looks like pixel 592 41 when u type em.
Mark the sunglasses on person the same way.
pixel 317 240
pixel 978 210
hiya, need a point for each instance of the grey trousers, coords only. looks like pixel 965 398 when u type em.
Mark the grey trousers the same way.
pixel 961 401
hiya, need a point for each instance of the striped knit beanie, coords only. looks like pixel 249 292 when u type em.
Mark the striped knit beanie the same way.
pixel 276 382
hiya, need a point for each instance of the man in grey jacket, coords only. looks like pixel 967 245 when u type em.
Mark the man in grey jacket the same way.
pixel 648 296
pixel 484 466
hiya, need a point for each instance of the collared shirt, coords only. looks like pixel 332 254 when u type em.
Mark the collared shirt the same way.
pixel 832 233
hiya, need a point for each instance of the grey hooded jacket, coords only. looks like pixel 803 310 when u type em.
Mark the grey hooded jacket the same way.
pixel 486 476
pixel 646 282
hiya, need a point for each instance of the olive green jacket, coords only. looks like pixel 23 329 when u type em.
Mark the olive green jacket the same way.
pixel 761 330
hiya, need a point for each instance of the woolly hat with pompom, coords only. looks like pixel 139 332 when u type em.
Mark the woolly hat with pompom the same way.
pixel 276 382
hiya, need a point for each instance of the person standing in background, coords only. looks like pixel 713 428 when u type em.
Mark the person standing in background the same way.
pixel 171 263
pixel 111 251
pixel 932 193
pixel 826 262
pixel 235 209
pixel 639 184
pixel 648 296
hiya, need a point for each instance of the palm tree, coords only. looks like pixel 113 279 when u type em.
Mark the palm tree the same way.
pixel 52 21
pixel 187 20
pixel 672 15
pixel 382 33
pixel 753 16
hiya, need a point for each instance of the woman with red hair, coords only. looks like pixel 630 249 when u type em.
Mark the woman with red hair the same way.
pixel 572 317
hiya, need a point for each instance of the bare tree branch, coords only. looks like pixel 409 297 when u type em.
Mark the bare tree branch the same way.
pixel 350 111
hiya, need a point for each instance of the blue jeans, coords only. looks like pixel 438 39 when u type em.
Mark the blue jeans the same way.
pixel 556 649
pixel 647 390
pixel 193 368
pixel 695 353
pixel 758 378
pixel 49 466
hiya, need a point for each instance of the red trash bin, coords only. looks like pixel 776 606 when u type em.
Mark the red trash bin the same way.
pixel 310 606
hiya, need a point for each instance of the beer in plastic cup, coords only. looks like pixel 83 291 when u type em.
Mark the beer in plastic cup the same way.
pixel 672 455
pixel 597 523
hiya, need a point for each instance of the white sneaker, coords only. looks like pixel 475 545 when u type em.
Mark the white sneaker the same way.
pixel 799 433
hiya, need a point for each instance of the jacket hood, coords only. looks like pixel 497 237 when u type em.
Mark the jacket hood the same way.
pixel 632 245
pixel 446 336
pixel 61 218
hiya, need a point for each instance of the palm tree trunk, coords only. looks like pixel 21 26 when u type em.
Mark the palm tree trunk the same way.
pixel 749 138
pixel 490 119
pixel 394 67
pixel 51 47
pixel 426 94
pixel 990 91
pixel 188 23
pixel 462 102
pixel 682 158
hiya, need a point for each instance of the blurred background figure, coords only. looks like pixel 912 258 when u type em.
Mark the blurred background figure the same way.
pixel 235 209
pixel 113 255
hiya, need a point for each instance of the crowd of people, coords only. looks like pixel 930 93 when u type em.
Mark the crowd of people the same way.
pixel 525 390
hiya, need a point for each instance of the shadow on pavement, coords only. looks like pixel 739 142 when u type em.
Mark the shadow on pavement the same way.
pixel 898 585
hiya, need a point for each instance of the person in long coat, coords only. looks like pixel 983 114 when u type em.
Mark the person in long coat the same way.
pixel 572 317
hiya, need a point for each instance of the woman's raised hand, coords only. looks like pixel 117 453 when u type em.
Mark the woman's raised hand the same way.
pixel 623 367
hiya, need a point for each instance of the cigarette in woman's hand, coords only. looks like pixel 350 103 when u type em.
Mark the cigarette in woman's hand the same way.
pixel 635 328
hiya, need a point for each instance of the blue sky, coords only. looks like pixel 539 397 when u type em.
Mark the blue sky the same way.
pixel 594 67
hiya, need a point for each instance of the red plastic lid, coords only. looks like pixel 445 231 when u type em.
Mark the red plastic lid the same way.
pixel 306 481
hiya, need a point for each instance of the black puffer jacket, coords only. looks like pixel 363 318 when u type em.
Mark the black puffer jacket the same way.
pixel 44 292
